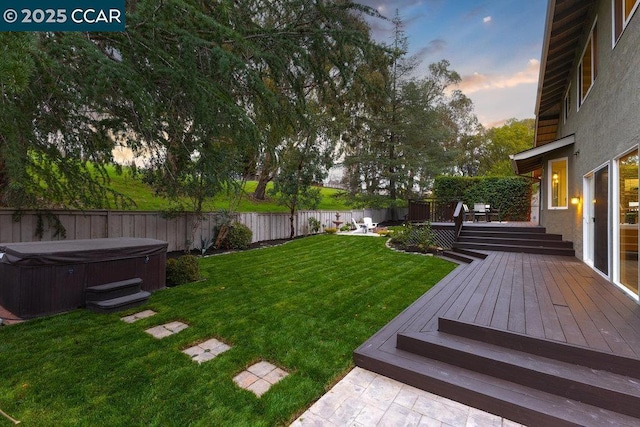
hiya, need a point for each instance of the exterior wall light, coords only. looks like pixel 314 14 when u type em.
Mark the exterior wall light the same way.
pixel 575 200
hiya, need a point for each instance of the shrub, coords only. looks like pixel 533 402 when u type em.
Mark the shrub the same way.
pixel 346 227
pixel 314 224
pixel 383 232
pixel 182 270
pixel 330 230
pixel 238 237
pixel 510 194
pixel 421 237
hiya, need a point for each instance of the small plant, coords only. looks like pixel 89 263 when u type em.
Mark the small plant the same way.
pixel 383 232
pixel 238 237
pixel 330 230
pixel 346 227
pixel 314 224
pixel 205 244
pixel 184 269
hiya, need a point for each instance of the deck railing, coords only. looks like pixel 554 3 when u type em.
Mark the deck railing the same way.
pixel 431 210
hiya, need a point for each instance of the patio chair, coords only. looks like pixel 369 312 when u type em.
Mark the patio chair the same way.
pixel 479 211
pixel 358 226
pixel 369 223
pixel 468 215
pixel 493 214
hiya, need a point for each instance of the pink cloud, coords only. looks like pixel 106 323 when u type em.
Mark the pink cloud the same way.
pixel 480 82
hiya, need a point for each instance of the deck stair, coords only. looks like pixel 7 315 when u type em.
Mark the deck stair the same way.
pixel 115 296
pixel 529 380
pixel 512 239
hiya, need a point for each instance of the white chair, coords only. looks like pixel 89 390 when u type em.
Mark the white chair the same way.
pixel 479 210
pixel 369 223
pixel 359 227
pixel 468 216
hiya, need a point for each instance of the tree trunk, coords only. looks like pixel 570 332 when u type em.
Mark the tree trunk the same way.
pixel 266 175
pixel 260 192
pixel 291 220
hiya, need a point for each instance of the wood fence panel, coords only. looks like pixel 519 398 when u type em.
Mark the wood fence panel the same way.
pixel 139 229
pixel 6 227
pixel 98 226
pixel 151 225
pixel 114 224
pixel 161 228
pixel 176 231
pixel 83 227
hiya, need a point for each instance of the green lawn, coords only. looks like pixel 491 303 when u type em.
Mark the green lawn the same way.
pixel 146 200
pixel 303 306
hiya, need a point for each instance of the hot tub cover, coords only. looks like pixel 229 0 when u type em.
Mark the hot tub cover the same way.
pixel 79 251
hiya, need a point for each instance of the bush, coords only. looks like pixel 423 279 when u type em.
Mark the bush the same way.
pixel 238 237
pixel 314 224
pixel 511 195
pixel 420 237
pixel 182 270
pixel 330 230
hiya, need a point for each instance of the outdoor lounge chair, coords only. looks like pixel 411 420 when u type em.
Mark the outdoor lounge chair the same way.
pixel 479 211
pixel 369 223
pixel 468 215
pixel 359 227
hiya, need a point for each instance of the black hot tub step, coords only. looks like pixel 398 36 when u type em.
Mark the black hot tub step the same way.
pixel 113 290
pixel 120 303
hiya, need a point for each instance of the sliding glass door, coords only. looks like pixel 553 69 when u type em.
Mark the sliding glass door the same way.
pixel 627 189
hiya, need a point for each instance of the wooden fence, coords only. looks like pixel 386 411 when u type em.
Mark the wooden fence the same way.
pixel 180 231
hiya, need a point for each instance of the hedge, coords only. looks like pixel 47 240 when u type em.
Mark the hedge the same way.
pixel 511 195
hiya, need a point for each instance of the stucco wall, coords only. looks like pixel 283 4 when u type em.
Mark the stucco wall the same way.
pixel 607 124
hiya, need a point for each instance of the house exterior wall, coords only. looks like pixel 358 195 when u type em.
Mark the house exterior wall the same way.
pixel 606 125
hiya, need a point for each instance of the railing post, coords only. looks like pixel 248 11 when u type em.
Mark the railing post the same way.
pixel 458 218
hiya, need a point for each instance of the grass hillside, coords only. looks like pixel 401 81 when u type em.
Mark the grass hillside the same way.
pixel 147 200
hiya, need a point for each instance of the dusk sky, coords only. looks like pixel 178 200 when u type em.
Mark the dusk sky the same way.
pixel 494 45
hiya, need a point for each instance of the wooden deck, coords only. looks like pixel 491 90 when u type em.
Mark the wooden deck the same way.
pixel 554 300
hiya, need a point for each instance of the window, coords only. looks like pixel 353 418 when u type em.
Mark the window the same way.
pixel 623 10
pixel 588 67
pixel 558 184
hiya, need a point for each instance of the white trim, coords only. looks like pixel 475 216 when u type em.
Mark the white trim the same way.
pixel 615 219
pixel 550 181
pixel 531 159
pixel 580 99
pixel 566 104
pixel 624 22
pixel 587 244
pixel 544 149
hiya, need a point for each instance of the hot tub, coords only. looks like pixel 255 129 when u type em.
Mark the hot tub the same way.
pixel 40 278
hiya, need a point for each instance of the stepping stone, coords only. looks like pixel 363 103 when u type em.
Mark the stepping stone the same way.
pixel 163 331
pixel 260 377
pixel 137 316
pixel 206 351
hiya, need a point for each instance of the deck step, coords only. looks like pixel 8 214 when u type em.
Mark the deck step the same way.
pixel 509 235
pixel 505 229
pixel 579 383
pixel 119 303
pixel 515 241
pixel 113 290
pixel 474 254
pixel 456 257
pixel 513 248
pixel 525 405
pixel 534 240
pixel 561 351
